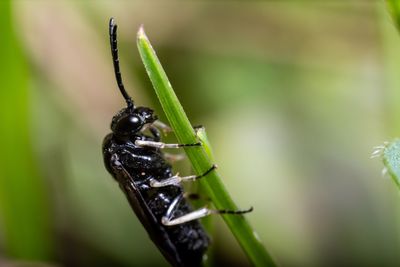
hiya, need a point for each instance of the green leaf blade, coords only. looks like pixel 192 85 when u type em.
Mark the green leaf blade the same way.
pixel 391 160
pixel 200 157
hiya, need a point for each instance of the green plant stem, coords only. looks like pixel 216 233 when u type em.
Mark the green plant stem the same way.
pixel 391 160
pixel 198 156
pixel 208 222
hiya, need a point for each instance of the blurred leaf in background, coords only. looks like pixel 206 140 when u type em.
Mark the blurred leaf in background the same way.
pixel 394 10
pixel 24 205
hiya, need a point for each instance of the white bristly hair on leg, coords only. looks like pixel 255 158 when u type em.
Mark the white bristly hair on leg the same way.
pixel 378 150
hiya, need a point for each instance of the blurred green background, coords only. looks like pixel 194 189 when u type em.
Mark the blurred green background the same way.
pixel 294 95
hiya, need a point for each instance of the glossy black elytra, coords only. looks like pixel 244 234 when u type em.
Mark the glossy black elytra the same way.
pixel 136 162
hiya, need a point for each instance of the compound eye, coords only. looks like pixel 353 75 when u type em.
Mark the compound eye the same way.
pixel 128 125
pixel 133 120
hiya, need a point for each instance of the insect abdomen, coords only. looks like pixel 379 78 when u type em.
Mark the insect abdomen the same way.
pixel 190 239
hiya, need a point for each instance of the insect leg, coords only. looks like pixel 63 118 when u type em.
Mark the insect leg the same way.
pixel 167 129
pixel 167 220
pixel 162 145
pixel 155 132
pixel 161 125
pixel 194 196
pixel 176 179
pixel 174 157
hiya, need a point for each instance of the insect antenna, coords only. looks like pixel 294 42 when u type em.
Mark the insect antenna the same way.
pixel 114 53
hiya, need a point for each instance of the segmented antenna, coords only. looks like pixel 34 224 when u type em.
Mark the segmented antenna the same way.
pixel 114 53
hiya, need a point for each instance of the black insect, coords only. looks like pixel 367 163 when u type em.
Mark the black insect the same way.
pixel 136 162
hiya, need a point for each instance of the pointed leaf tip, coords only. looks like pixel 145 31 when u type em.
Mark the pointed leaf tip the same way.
pixel 141 34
